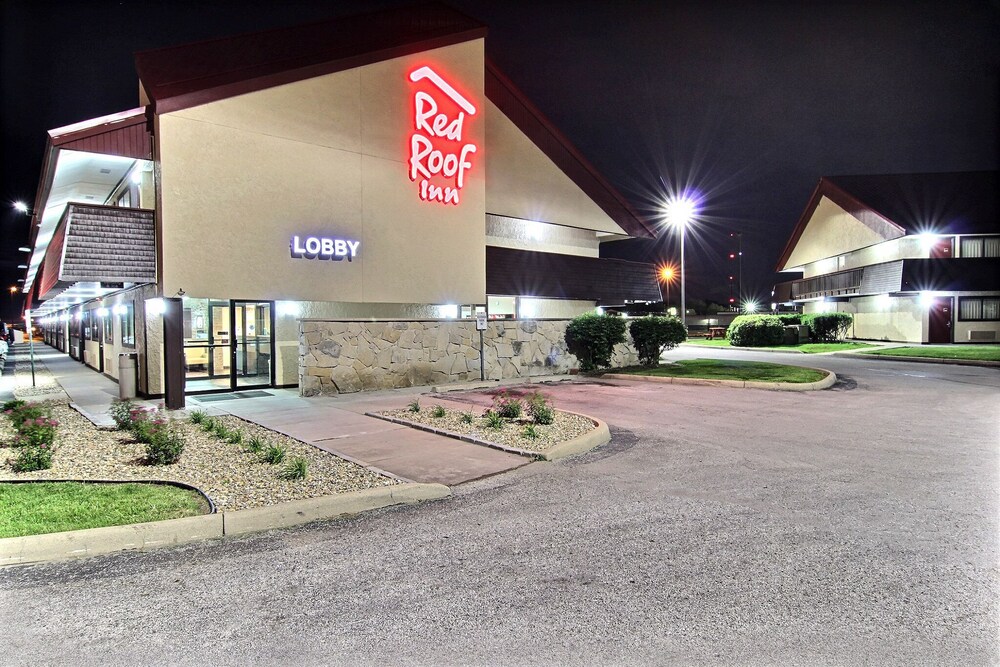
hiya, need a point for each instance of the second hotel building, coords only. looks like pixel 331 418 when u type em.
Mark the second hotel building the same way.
pixel 326 206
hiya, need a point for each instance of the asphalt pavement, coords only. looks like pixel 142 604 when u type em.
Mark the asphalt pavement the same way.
pixel 856 525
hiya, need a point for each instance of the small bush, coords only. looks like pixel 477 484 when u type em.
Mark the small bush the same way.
pixel 198 416
pixel 209 424
pixel 493 419
pixel 234 437
pixel 36 432
pixel 219 430
pixel 507 405
pixel 274 454
pixel 121 412
pixel 592 339
pixel 466 418
pixel 255 445
pixel 414 405
pixel 788 319
pixel 12 405
pixel 654 335
pixel 530 432
pixel 25 412
pixel 31 458
pixel 437 411
pixel 540 408
pixel 827 327
pixel 297 468
pixel 756 331
pixel 146 430
pixel 165 447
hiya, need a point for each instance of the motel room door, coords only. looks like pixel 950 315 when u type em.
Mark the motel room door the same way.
pixel 252 342
pixel 939 320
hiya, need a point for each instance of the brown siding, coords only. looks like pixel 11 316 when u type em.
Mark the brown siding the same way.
pixel 542 274
pixel 131 141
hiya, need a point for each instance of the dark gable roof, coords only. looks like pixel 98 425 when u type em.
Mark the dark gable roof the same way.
pixel 943 203
pixel 183 76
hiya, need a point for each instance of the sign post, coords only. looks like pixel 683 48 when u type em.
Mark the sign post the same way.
pixel 481 327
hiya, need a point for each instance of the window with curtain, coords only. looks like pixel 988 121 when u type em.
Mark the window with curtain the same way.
pixel 980 246
pixel 979 309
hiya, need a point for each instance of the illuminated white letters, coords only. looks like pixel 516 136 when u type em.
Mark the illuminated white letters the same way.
pixel 433 150
pixel 321 247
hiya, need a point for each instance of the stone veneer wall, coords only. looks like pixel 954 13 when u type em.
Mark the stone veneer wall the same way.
pixel 348 356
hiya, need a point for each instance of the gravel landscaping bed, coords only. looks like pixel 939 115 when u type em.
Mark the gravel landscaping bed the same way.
pixel 45 383
pixel 565 426
pixel 232 478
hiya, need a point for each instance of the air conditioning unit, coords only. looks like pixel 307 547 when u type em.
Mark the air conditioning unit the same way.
pixel 982 336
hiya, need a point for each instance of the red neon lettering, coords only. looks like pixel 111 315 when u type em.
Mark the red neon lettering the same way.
pixel 439 159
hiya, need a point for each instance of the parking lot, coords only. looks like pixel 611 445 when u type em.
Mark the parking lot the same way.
pixel 856 525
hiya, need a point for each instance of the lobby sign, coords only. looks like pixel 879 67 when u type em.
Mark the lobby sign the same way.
pixel 439 155
pixel 322 247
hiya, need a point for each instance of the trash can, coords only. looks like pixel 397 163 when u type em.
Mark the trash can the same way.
pixel 126 376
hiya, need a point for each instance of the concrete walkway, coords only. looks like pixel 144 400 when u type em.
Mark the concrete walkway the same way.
pixel 336 424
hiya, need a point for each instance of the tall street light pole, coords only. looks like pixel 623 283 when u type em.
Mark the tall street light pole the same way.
pixel 680 212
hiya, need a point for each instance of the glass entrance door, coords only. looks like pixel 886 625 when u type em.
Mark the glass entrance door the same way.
pixel 252 360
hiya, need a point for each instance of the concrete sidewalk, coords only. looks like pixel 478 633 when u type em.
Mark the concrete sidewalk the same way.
pixel 336 424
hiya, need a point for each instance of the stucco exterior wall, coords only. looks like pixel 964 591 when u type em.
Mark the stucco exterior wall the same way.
pixel 524 183
pixel 830 232
pixel 897 319
pixel 324 157
pixel 344 357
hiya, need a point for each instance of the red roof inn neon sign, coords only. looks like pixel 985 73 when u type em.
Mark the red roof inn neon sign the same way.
pixel 438 156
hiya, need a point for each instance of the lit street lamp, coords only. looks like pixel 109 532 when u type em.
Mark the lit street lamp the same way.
pixel 680 213
pixel 667 274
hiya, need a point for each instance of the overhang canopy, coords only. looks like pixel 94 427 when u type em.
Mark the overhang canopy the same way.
pixel 108 245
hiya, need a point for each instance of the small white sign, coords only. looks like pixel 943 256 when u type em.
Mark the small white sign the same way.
pixel 480 321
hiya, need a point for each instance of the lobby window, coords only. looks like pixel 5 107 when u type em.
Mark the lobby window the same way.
pixel 980 246
pixel 109 329
pixel 127 318
pixel 979 309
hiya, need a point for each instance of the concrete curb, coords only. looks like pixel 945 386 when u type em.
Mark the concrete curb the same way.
pixel 599 435
pixel 748 349
pixel 825 383
pixel 494 384
pixel 920 360
pixel 145 536
pixel 580 444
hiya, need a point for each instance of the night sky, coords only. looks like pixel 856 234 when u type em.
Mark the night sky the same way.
pixel 748 102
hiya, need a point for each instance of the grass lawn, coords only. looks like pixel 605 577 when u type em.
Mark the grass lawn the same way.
pixel 808 348
pixel 718 369
pixel 971 352
pixel 48 507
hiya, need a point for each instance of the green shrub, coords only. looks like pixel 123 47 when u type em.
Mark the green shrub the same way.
pixel 437 412
pixel 274 454
pixel 297 468
pixel 198 416
pixel 31 458
pixel 592 338
pixel 36 432
pixel 540 408
pixel 530 432
pixel 493 419
pixel 507 405
pixel 466 418
pixel 255 445
pixel 827 327
pixel 414 405
pixel 12 405
pixel 234 437
pixel 788 319
pixel 219 430
pixel 756 331
pixel 121 412
pixel 164 447
pixel 654 335
pixel 25 412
